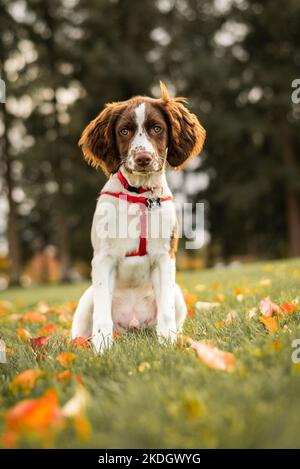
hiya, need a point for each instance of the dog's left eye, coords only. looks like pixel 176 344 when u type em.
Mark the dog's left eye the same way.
pixel 157 129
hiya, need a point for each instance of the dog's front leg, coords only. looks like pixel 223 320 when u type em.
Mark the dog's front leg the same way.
pixel 103 277
pixel 163 277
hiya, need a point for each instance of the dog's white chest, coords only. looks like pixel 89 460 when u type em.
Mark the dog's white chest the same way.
pixel 133 304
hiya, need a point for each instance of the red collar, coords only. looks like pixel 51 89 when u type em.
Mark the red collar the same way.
pixel 144 202
pixel 128 187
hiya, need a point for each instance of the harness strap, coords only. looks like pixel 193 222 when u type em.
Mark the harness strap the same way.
pixel 144 203
pixel 135 199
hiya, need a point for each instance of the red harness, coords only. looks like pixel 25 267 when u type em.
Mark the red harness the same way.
pixel 144 203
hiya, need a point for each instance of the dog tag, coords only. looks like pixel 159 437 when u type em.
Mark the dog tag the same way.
pixel 153 203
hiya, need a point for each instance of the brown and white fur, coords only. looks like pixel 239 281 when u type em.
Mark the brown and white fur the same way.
pixel 141 137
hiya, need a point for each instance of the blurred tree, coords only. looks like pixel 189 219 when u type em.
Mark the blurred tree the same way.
pixel 236 62
pixel 271 51
pixel 8 34
pixel 199 70
pixel 53 33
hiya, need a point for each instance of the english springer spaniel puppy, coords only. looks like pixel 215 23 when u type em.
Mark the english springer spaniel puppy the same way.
pixel 134 231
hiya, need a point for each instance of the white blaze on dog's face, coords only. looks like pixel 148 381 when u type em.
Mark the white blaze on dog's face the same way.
pixel 141 150
pixel 142 137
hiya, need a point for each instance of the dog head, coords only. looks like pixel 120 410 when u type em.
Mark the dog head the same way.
pixel 143 134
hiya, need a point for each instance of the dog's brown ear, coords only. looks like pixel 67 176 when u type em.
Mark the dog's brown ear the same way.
pixel 98 141
pixel 187 135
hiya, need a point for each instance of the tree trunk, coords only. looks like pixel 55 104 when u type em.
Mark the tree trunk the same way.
pixel 61 222
pixel 292 194
pixel 12 227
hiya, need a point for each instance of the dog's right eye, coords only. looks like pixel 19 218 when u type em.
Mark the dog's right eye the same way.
pixel 124 131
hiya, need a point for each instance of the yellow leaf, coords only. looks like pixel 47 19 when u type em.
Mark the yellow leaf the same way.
pixel 66 359
pixel 82 427
pixel 220 297
pixel 144 366
pixel 23 334
pixel 26 381
pixel 270 323
pixel 277 345
pixel 219 324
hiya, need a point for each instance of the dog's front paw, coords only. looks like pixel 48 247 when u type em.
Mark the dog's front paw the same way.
pixel 102 342
pixel 167 336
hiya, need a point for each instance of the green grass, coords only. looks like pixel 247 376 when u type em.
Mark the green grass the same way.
pixel 175 400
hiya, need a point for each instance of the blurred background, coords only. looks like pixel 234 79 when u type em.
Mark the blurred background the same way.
pixel 61 60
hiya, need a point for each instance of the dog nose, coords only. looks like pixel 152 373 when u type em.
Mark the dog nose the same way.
pixel 143 158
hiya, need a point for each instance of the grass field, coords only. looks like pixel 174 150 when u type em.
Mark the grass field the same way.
pixel 141 394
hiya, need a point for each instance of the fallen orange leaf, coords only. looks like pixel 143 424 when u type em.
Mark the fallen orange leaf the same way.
pixel 81 342
pixel 190 299
pixel 117 335
pixel 72 304
pixel 277 345
pixel 66 359
pixel 78 378
pixel 82 427
pixel 48 329
pixel 23 334
pixel 31 316
pixel 26 380
pixel 64 375
pixel 270 323
pixel 191 313
pixel 38 417
pixel 211 355
pixel 289 307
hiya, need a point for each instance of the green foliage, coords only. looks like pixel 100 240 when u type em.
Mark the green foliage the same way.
pixel 236 66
